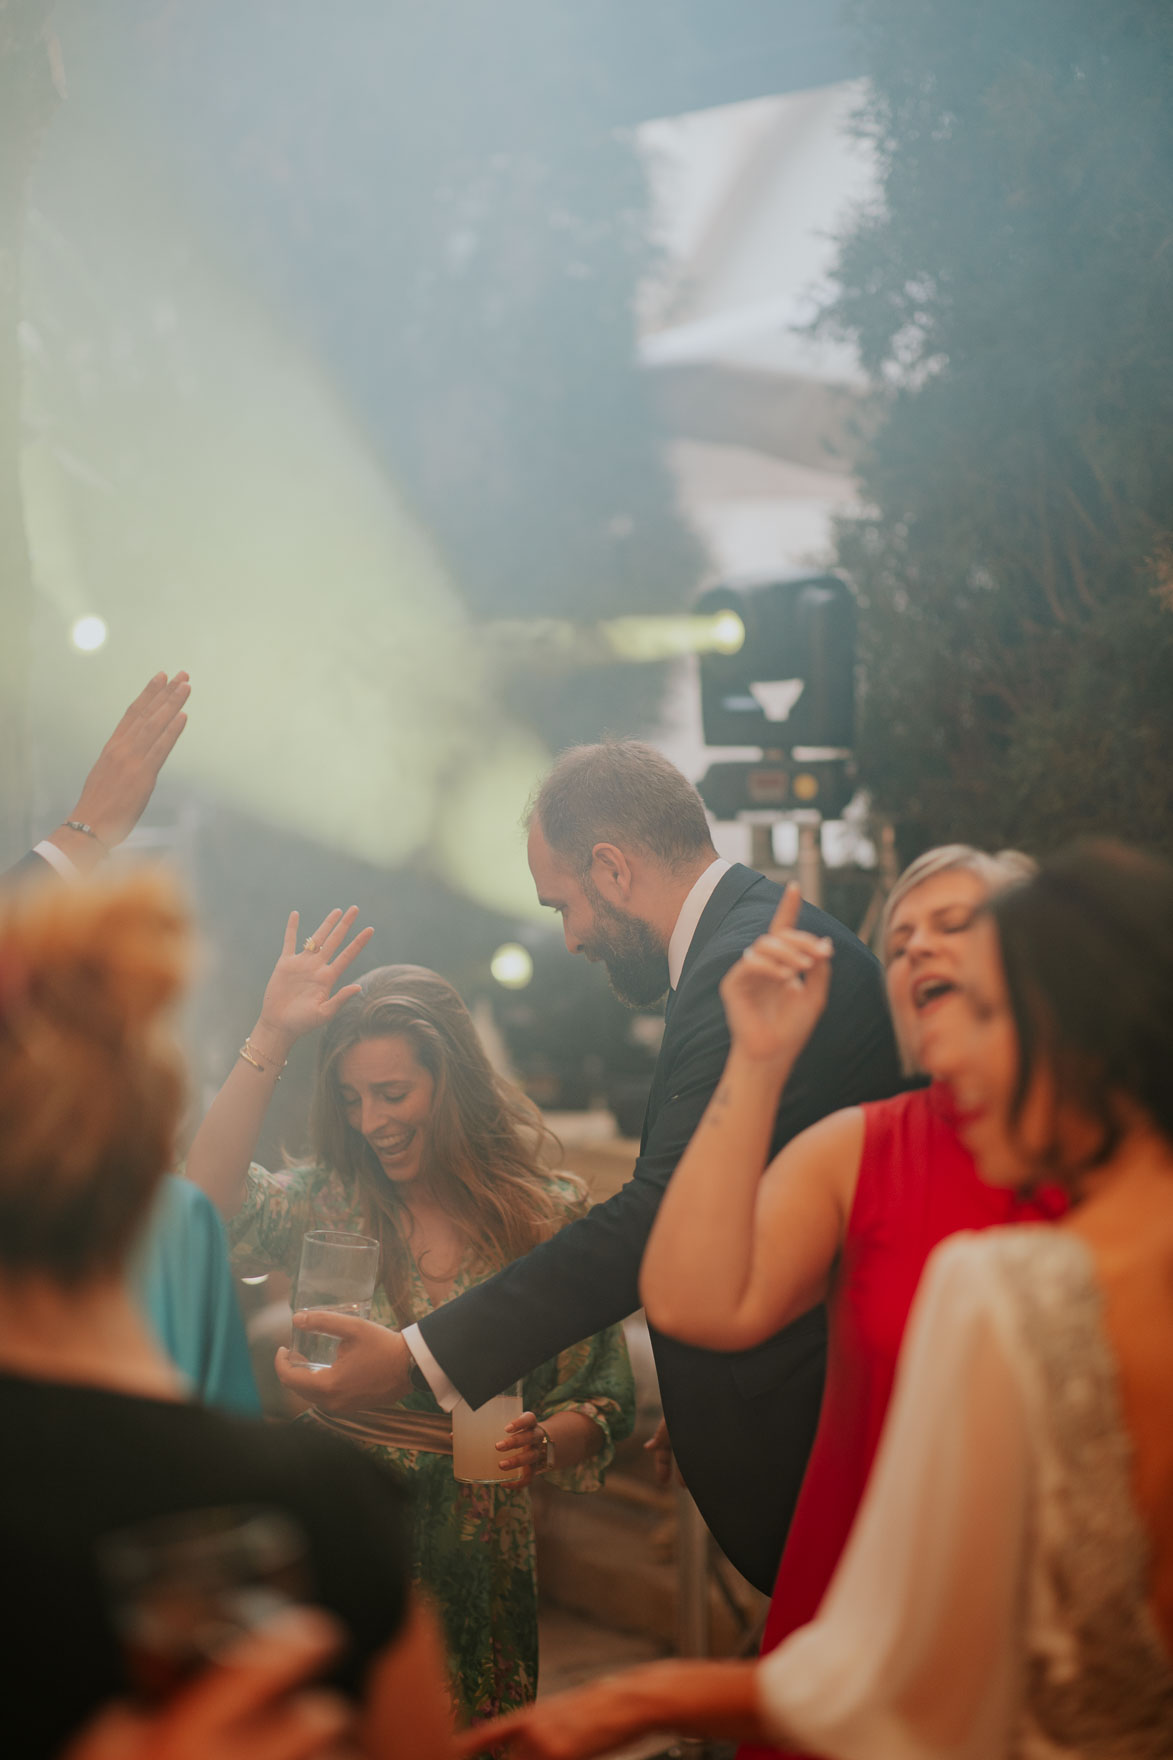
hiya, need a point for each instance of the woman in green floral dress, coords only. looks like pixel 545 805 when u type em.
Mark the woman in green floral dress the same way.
pixel 418 1143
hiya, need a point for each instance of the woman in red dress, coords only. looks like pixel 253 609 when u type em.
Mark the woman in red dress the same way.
pixel 848 1212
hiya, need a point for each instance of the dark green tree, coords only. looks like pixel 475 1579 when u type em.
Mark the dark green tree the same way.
pixel 1010 294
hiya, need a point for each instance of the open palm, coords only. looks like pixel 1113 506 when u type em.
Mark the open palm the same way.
pixel 300 995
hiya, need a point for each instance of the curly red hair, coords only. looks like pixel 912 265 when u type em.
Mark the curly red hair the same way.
pixel 91 1077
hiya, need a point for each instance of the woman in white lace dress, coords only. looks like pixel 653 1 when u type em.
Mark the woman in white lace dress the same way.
pixel 1008 1586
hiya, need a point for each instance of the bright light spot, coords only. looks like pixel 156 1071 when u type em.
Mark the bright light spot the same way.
pixel 88 633
pixel 728 633
pixel 666 638
pixel 642 640
pixel 512 966
pixel 263 1278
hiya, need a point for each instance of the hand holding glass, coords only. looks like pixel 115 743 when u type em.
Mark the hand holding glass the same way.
pixel 338 1271
pixel 183 1588
pixel 475 1435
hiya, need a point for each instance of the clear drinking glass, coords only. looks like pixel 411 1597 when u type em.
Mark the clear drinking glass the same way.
pixel 337 1271
pixel 182 1588
pixel 475 1435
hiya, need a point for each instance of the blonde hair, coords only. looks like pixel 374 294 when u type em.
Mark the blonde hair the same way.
pixel 91 1079
pixel 995 871
pixel 486 1148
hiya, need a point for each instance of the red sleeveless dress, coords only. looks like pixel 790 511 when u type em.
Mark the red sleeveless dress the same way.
pixel 917 1185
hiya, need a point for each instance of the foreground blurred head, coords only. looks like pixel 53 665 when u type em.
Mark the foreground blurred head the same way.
pixel 1068 994
pixel 91 1078
pixel 614 831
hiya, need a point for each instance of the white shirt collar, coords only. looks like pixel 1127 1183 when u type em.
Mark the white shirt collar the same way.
pixel 690 915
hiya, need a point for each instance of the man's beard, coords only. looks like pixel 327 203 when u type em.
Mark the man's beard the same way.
pixel 636 961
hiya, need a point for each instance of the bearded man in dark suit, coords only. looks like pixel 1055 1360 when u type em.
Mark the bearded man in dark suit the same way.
pixel 619 846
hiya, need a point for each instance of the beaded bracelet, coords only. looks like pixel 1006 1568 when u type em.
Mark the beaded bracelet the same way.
pixel 86 831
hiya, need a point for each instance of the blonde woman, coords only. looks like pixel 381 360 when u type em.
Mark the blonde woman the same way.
pixel 849 1211
pixel 417 1142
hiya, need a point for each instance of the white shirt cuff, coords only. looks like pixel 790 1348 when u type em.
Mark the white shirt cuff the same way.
pixel 56 858
pixel 446 1394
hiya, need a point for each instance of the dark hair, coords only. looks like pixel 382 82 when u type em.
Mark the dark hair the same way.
pixel 623 792
pixel 486 1142
pixel 91 1077
pixel 1087 947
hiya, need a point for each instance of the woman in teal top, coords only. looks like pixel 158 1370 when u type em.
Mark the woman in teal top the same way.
pixel 183 1283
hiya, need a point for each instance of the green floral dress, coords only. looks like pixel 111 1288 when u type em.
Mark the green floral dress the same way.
pixel 474 1544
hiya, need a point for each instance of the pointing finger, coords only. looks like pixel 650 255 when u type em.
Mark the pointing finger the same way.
pixel 796 944
pixel 786 916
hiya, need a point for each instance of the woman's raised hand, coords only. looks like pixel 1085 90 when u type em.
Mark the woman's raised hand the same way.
pixel 777 990
pixel 300 995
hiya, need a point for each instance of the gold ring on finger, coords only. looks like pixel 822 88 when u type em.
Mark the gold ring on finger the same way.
pixel 309 945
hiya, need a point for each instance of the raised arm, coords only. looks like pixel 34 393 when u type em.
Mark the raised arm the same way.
pixel 298 998
pixel 734 1256
pixel 122 780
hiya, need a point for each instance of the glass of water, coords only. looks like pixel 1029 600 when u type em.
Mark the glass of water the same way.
pixel 338 1271
pixel 476 1433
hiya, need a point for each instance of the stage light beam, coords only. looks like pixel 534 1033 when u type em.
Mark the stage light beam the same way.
pixel 553 642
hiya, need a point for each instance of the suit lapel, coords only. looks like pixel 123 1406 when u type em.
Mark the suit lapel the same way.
pixel 729 888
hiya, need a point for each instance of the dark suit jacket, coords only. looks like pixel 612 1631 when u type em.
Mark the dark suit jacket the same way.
pixel 741 1423
pixel 30 867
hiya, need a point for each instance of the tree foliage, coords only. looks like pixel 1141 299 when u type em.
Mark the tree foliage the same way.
pixel 1010 294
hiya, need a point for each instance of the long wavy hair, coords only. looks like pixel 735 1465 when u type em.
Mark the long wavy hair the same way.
pixel 487 1152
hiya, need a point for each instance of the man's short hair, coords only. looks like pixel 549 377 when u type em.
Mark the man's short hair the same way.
pixel 622 792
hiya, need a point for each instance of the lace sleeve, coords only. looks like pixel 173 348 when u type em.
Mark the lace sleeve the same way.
pixel 915 1651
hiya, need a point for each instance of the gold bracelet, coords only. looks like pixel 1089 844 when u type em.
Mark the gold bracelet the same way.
pixel 251 1055
pixel 270 1061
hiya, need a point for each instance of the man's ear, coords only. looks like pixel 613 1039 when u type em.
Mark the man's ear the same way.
pixel 611 873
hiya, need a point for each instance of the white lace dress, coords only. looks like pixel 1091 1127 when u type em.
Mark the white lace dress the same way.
pixel 991 1601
